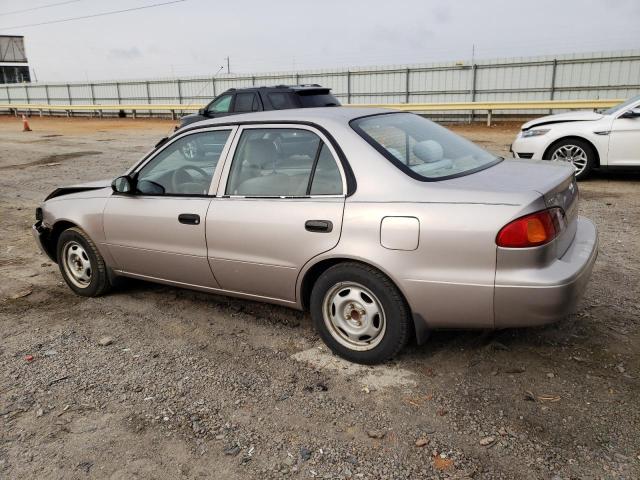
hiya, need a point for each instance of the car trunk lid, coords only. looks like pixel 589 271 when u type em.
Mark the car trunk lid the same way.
pixel 553 184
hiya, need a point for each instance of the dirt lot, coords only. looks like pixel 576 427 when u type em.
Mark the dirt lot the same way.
pixel 201 386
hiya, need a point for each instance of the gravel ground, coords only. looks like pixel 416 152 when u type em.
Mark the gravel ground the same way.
pixel 157 382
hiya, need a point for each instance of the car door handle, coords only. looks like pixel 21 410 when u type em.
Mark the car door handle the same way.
pixel 189 218
pixel 318 226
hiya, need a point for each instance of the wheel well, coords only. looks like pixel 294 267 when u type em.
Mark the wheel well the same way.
pixel 319 268
pixel 52 241
pixel 547 152
pixel 312 275
pixel 419 326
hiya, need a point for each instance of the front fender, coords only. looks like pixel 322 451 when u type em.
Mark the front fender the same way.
pixel 83 211
pixel 585 131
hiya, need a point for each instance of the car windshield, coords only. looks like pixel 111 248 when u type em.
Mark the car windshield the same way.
pixel 421 148
pixel 620 106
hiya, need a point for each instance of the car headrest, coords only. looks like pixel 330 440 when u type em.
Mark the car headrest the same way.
pixel 428 151
pixel 261 152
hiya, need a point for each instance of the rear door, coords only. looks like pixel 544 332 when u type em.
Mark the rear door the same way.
pixel 158 232
pixel 279 204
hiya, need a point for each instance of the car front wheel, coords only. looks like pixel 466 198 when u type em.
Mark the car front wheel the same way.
pixel 360 314
pixel 576 151
pixel 81 264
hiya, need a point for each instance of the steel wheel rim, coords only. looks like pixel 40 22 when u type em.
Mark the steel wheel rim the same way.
pixel 574 154
pixel 76 264
pixel 354 316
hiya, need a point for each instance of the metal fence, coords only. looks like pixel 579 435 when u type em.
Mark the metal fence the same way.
pixel 603 75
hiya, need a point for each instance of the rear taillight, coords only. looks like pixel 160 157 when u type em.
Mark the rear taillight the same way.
pixel 532 230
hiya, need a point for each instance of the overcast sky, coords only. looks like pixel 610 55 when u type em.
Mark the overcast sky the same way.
pixel 194 37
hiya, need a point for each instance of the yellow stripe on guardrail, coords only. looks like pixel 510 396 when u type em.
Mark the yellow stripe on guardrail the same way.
pixel 489 107
pixel 527 105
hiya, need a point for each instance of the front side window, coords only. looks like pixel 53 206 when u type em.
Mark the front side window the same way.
pixel 283 162
pixel 421 148
pixel 221 105
pixel 185 167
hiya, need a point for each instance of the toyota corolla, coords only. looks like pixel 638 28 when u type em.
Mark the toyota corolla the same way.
pixel 382 224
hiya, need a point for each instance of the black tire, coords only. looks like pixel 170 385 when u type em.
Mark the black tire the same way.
pixel 585 146
pixel 397 316
pixel 98 283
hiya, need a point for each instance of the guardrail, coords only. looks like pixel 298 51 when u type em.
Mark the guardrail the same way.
pixel 16 108
pixel 489 107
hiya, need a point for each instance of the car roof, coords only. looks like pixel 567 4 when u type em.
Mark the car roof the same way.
pixel 317 115
pixel 284 88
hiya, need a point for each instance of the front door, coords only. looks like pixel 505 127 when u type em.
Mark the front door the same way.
pixel 158 232
pixel 279 204
pixel 624 141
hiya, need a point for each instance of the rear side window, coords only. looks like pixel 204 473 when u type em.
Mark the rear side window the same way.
pixel 246 102
pixel 318 100
pixel 326 176
pixel 283 162
pixel 282 100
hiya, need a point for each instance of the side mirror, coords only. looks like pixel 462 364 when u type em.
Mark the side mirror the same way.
pixel 633 113
pixel 202 111
pixel 123 185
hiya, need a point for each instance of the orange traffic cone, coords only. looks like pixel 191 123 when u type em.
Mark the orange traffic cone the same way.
pixel 25 124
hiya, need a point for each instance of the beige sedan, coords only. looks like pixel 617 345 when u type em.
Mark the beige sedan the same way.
pixel 382 224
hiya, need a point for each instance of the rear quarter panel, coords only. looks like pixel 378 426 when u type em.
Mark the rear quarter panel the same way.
pixel 449 278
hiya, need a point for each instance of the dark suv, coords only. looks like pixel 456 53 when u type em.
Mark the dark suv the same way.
pixel 255 99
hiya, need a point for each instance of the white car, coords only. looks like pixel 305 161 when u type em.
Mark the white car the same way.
pixel 587 139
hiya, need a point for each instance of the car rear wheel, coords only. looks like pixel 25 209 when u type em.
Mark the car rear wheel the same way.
pixel 359 313
pixel 576 151
pixel 81 264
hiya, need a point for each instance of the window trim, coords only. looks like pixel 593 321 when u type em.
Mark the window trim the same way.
pixel 213 185
pixel 224 178
pixel 352 183
pixel 314 165
pixel 404 168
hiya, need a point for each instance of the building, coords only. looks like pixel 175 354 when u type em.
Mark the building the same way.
pixel 13 60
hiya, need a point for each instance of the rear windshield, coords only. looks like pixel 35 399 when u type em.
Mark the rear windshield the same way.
pixel 421 148
pixel 318 100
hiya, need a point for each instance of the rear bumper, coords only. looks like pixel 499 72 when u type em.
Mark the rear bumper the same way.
pixel 552 292
pixel 41 234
